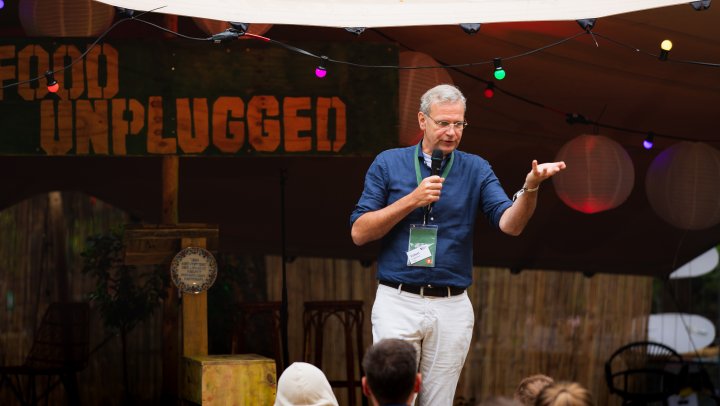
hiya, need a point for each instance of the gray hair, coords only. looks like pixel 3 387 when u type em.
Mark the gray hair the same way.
pixel 441 94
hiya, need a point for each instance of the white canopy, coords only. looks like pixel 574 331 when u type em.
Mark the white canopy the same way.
pixel 391 13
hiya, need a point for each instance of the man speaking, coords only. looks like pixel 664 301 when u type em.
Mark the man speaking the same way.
pixel 426 225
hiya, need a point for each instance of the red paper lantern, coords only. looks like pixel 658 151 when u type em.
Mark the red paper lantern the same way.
pixel 682 185
pixel 212 27
pixel 65 18
pixel 413 84
pixel 599 174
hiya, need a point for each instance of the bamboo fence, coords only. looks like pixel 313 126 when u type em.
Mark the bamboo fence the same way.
pixel 562 324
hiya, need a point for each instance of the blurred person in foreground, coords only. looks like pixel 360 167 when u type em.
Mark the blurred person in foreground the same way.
pixel 391 376
pixel 530 387
pixel 303 384
pixel 564 394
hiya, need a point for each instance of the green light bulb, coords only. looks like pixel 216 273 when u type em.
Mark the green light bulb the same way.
pixel 500 74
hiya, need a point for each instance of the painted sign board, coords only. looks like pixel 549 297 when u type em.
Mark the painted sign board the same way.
pixel 181 97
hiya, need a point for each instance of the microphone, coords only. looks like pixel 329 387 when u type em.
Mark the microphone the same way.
pixel 436 161
pixel 435 164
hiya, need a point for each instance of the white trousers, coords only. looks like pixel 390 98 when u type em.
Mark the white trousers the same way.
pixel 440 328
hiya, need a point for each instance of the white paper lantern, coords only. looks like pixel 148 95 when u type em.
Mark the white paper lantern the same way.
pixel 682 185
pixel 413 84
pixel 599 174
pixel 212 27
pixel 65 18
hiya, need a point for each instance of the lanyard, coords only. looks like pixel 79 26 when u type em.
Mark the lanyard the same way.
pixel 445 173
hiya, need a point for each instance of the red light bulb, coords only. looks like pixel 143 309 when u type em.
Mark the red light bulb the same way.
pixel 52 85
pixel 489 91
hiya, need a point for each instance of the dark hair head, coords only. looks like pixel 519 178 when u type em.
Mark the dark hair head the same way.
pixel 390 368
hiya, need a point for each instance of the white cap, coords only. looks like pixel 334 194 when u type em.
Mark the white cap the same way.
pixel 303 384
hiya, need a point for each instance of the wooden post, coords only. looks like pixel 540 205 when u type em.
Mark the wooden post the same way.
pixel 170 329
pixel 194 313
pixel 170 176
pixel 151 244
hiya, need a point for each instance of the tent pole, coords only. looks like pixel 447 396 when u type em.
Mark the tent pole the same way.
pixel 283 252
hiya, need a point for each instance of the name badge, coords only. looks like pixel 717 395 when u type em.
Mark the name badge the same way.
pixel 421 245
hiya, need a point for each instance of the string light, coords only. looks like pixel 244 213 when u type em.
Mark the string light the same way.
pixel 649 141
pixel 320 71
pixel 665 48
pixel 499 72
pixel 52 85
pixel 489 91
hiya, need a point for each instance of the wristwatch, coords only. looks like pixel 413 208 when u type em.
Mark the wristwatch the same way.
pixel 523 190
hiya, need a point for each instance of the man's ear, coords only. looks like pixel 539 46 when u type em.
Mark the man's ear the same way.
pixel 366 388
pixel 418 382
pixel 421 120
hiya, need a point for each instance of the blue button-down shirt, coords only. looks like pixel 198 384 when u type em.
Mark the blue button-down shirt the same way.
pixel 470 185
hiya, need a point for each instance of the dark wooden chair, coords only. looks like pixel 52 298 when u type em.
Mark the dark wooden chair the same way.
pixel 260 322
pixel 59 351
pixel 350 315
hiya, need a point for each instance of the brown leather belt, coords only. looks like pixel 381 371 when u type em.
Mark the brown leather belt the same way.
pixel 427 290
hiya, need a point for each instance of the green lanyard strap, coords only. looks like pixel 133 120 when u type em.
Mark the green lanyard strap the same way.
pixel 446 171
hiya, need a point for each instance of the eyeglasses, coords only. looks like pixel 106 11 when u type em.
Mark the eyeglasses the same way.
pixel 458 125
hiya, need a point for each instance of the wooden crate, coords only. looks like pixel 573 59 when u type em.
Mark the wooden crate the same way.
pixel 229 380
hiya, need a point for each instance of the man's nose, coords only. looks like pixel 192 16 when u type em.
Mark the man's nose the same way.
pixel 451 128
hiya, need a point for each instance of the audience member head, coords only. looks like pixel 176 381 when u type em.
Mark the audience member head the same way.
pixel 529 388
pixel 391 375
pixel 564 394
pixel 304 384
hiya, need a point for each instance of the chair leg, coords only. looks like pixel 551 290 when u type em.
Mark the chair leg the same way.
pixel 71 388
pixel 15 387
pixel 31 390
pixel 349 366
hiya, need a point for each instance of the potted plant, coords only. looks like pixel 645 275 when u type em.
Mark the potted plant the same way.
pixel 124 296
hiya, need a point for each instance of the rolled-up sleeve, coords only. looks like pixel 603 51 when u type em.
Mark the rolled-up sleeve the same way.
pixel 375 193
pixel 493 200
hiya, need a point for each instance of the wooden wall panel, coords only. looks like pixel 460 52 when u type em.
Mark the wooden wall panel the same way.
pixel 27 272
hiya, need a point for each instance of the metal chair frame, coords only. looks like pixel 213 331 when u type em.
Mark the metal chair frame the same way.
pixel 644 361
pixel 60 349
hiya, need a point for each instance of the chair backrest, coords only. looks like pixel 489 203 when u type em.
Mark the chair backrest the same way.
pixel 644 371
pixel 62 339
pixel 259 321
